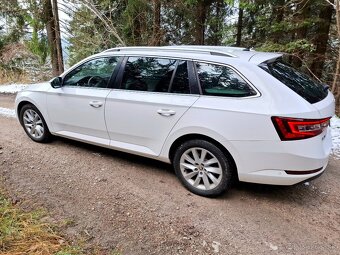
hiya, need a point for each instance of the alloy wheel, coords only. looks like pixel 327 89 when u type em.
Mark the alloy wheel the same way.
pixel 33 124
pixel 201 168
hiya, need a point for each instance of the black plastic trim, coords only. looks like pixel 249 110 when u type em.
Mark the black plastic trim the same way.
pixel 311 178
pixel 119 77
pixel 193 81
pixel 112 81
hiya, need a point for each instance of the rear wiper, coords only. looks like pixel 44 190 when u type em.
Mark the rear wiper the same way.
pixel 325 87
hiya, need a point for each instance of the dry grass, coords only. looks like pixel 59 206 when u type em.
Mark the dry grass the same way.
pixel 24 233
pixel 7 77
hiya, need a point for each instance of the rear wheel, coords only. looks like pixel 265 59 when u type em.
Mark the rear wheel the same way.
pixel 34 124
pixel 203 168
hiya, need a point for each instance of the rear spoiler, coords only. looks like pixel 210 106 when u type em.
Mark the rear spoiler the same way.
pixel 264 57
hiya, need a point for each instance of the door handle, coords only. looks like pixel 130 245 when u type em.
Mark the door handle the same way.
pixel 96 104
pixel 166 112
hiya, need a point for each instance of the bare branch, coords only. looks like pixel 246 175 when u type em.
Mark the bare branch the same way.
pixel 105 20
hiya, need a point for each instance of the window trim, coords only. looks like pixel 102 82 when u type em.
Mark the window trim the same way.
pixel 112 82
pixel 173 77
pixel 114 72
pixel 194 84
pixel 119 78
pixel 258 93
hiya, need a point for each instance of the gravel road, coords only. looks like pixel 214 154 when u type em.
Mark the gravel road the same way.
pixel 7 100
pixel 137 206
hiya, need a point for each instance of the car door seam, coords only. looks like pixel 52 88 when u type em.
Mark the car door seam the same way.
pixel 165 140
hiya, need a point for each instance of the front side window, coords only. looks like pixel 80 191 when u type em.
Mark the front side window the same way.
pixel 94 73
pixel 218 80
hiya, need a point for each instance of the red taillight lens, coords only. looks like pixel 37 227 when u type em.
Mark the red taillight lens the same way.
pixel 295 129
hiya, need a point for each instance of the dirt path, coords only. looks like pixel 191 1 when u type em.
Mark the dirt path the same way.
pixel 138 206
pixel 7 100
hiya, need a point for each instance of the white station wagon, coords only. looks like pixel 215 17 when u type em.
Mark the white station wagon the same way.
pixel 213 112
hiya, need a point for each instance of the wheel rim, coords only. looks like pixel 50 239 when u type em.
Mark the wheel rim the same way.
pixel 33 124
pixel 201 169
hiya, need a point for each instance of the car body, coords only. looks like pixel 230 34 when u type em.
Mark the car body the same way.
pixel 151 100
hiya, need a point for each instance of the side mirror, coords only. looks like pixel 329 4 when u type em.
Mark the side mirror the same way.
pixel 57 82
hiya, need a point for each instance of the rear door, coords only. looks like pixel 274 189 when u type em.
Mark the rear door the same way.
pixel 154 94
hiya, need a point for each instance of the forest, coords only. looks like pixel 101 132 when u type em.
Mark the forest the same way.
pixel 39 38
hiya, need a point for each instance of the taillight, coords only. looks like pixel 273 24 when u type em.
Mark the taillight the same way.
pixel 295 129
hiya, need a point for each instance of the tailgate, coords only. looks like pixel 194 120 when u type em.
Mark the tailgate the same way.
pixel 326 107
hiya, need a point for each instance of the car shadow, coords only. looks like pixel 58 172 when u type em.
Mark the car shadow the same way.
pixel 111 153
pixel 304 194
pixel 300 193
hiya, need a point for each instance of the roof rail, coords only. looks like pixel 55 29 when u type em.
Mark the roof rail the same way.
pixel 209 47
pixel 174 49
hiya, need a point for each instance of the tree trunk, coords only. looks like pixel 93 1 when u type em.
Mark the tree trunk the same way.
pixel 157 23
pixel 321 40
pixel 220 21
pixel 279 12
pixel 50 28
pixel 335 84
pixel 137 31
pixel 239 25
pixel 57 37
pixel 202 7
pixel 301 32
pixel 337 70
pixel 200 22
pixel 216 17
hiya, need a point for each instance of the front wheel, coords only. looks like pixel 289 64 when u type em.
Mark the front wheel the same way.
pixel 202 168
pixel 34 124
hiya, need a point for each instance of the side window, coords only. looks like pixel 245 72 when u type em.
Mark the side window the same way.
pixel 148 74
pixel 217 80
pixel 180 83
pixel 94 73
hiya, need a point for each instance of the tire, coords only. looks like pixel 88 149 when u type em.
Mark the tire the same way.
pixel 203 168
pixel 34 124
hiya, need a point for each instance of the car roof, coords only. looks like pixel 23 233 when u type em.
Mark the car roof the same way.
pixel 198 52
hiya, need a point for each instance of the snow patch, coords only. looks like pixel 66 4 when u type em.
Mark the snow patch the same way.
pixel 12 88
pixel 7 112
pixel 335 129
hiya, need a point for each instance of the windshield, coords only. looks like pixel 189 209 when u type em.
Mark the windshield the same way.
pixel 308 88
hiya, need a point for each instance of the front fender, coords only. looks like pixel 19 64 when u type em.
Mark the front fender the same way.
pixel 38 99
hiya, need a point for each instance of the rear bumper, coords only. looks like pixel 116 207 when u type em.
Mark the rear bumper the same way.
pixel 278 177
pixel 266 162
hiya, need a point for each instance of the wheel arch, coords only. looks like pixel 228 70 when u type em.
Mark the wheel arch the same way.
pixel 194 136
pixel 20 106
pixel 24 102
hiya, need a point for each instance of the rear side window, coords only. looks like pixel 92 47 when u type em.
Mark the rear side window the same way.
pixel 218 80
pixel 308 88
pixel 148 74
pixel 156 75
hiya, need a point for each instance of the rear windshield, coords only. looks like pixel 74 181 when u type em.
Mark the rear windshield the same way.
pixel 308 88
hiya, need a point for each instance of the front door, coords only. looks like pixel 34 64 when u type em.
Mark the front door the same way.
pixel 77 108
